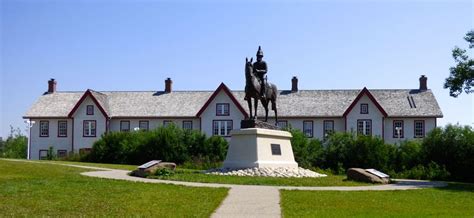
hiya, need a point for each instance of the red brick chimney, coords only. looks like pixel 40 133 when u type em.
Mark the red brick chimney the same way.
pixel 423 81
pixel 168 85
pixel 294 84
pixel 51 86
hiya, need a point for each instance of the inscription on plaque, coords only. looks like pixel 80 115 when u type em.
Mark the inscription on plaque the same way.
pixel 276 150
pixel 377 173
pixel 149 164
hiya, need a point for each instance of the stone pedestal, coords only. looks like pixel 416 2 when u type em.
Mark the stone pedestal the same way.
pixel 255 147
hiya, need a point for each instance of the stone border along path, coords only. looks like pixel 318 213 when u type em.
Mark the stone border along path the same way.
pixel 249 200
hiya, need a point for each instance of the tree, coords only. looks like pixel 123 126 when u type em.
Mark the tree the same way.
pixel 15 146
pixel 462 75
pixel 2 144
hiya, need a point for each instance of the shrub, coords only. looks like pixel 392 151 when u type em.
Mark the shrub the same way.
pixel 453 147
pixel 307 152
pixel 50 154
pixel 165 143
pixel 15 146
pixel 431 172
pixel 408 155
pixel 343 151
pixel 164 172
pixel 336 151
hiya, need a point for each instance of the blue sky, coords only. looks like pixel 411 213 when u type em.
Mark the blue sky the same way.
pixel 135 45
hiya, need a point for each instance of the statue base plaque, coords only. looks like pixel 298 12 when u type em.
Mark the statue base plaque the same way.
pixel 256 147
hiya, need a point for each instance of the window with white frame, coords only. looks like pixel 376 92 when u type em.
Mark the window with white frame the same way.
pixel 364 127
pixel 398 129
pixel 419 129
pixel 89 128
pixel 328 128
pixel 62 128
pixel 43 154
pixel 124 126
pixel 90 109
pixel 44 128
pixel 188 124
pixel 282 124
pixel 222 127
pixel 308 128
pixel 144 125
pixel 222 109
pixel 364 108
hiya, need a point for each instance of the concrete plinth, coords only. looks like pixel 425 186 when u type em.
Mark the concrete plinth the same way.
pixel 255 147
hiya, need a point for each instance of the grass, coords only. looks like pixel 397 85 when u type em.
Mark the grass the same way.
pixel 32 189
pixel 456 200
pixel 103 165
pixel 198 176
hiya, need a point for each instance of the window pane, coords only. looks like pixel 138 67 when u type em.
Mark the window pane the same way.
pixel 222 127
pixel 328 127
pixel 360 127
pixel 419 129
pixel 90 109
pixel 398 129
pixel 188 125
pixel 62 128
pixel 44 128
pixel 282 124
pixel 364 108
pixel 216 128
pixel 308 128
pixel 364 127
pixel 143 125
pixel 125 126
pixel 229 127
pixel 222 109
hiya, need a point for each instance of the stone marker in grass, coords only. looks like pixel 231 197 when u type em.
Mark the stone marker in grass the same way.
pixel 151 167
pixel 367 175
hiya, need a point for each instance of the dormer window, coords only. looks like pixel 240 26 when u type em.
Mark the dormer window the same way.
pixel 90 110
pixel 364 108
pixel 222 109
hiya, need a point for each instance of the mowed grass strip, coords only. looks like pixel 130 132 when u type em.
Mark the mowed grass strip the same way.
pixel 456 200
pixel 33 189
pixel 199 176
pixel 102 165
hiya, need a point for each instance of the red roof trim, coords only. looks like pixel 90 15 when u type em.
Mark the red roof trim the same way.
pixel 88 94
pixel 365 91
pixel 222 87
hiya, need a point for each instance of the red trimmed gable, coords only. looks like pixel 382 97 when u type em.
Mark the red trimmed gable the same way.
pixel 363 92
pixel 222 87
pixel 88 94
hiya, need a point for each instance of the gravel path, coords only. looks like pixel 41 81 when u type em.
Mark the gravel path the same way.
pixel 251 200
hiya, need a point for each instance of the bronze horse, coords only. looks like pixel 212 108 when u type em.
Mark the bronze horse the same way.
pixel 252 90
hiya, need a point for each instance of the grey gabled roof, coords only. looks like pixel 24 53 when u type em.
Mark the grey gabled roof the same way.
pixel 57 104
pixel 304 103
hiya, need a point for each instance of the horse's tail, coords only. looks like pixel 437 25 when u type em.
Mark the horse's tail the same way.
pixel 274 96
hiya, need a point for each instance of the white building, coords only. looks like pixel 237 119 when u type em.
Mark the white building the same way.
pixel 71 121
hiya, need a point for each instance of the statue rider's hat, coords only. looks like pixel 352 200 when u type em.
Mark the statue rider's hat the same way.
pixel 259 52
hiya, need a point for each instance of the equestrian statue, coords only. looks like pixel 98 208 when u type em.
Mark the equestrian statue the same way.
pixel 258 88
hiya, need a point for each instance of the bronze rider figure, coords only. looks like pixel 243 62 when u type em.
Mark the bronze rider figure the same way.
pixel 260 68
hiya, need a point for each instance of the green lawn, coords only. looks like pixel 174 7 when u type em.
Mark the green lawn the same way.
pixel 103 165
pixel 198 176
pixel 32 189
pixel 456 200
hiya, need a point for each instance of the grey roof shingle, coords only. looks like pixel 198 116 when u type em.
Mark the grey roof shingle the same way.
pixel 304 103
